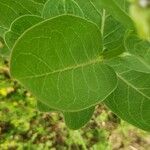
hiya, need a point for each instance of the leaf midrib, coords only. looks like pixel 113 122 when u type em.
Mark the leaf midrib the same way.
pixel 91 62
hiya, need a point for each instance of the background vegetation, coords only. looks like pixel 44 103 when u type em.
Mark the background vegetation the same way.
pixel 23 127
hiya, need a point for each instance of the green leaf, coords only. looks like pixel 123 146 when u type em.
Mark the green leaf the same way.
pixel 20 25
pixel 54 8
pixel 112 31
pixel 135 45
pixel 114 7
pixel 43 107
pixel 131 99
pixel 110 28
pixel 137 63
pixel 76 120
pixel 12 9
pixel 85 9
pixel 59 61
pixel 137 55
pixel 124 5
pixel 113 38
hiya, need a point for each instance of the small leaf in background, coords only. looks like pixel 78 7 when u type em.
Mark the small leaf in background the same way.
pixel 131 99
pixel 10 10
pixel 136 55
pixel 19 26
pixel 76 120
pixel 134 62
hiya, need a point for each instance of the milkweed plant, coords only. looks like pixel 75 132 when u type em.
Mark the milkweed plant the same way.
pixel 75 54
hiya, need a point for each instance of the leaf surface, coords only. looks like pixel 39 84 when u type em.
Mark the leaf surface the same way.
pixel 12 9
pixel 117 10
pixel 43 107
pixel 139 53
pixel 92 10
pixel 131 99
pixel 135 62
pixel 59 61
pixel 76 120
pixel 40 1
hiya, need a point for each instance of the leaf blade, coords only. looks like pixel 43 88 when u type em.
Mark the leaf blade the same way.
pixel 131 99
pixel 19 26
pixel 79 66
pixel 119 14
pixel 10 10
pixel 76 120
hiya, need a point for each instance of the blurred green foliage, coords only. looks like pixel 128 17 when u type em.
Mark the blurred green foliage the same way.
pixel 22 127
pixel 140 13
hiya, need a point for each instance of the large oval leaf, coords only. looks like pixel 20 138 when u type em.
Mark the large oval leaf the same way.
pixel 59 61
pixel 131 99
